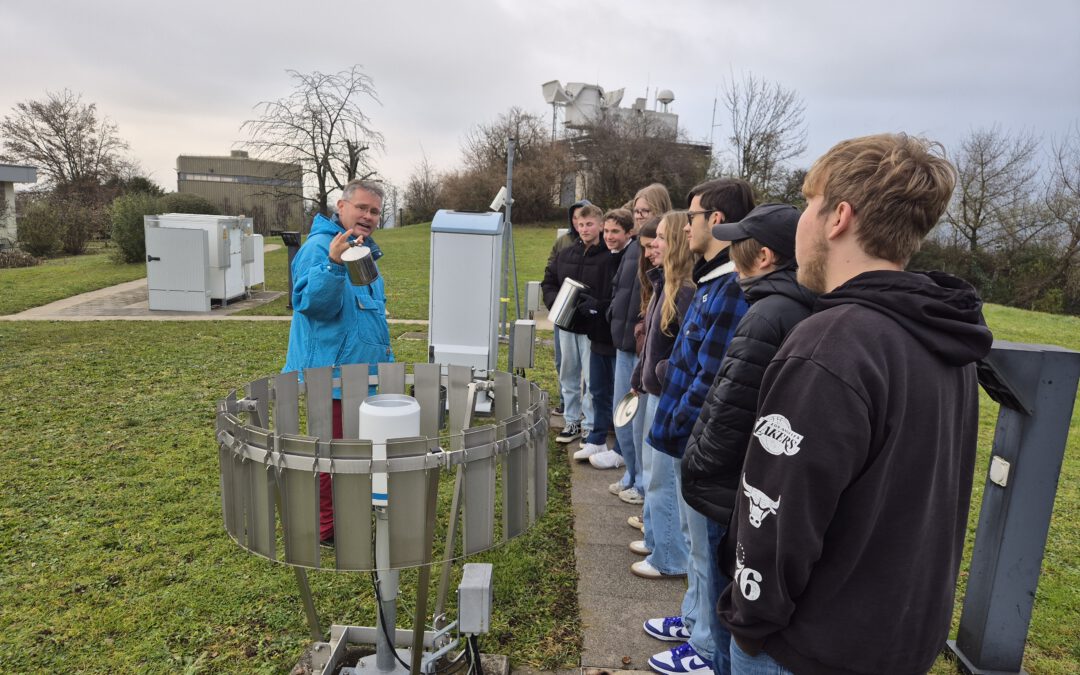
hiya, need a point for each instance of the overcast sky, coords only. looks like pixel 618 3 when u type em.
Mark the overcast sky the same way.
pixel 181 77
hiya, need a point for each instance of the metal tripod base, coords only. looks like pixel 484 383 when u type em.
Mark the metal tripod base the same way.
pixel 369 666
pixel 967 666
pixel 328 656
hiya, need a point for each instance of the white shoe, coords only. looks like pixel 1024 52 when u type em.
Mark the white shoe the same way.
pixel 632 496
pixel 645 570
pixel 636 523
pixel 616 488
pixel 588 450
pixel 608 459
pixel 639 547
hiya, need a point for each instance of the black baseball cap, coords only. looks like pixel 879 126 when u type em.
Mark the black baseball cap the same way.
pixel 772 225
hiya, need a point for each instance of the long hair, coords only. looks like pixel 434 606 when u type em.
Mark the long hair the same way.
pixel 678 269
pixel 647 230
pixel 657 197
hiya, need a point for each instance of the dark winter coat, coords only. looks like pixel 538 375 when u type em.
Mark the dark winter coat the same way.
pixel 625 309
pixel 848 533
pixel 714 454
pixel 648 375
pixel 593 266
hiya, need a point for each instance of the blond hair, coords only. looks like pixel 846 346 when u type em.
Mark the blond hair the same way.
pixel 678 267
pixel 897 186
pixel 656 196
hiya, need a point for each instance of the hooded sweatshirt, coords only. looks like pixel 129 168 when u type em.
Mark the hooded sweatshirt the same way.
pixel 571 237
pixel 847 534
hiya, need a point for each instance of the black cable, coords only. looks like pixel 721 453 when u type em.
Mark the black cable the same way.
pixel 474 644
pixel 385 628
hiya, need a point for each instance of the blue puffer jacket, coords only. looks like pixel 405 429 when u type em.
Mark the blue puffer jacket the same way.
pixel 334 322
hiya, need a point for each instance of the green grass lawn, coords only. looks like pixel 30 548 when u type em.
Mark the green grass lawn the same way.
pixel 113 556
pixel 59 278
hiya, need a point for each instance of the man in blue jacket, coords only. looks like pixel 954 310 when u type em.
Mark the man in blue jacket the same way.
pixel 335 322
pixel 708 327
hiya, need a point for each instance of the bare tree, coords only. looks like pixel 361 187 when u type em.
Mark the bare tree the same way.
pixel 64 139
pixel 1063 205
pixel 995 188
pixel 767 129
pixel 422 193
pixel 621 152
pixel 320 126
pixel 484 147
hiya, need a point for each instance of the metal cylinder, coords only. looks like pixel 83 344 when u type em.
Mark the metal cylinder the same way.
pixel 566 303
pixel 360 265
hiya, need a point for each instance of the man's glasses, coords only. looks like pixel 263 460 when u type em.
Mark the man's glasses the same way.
pixel 690 215
pixel 375 213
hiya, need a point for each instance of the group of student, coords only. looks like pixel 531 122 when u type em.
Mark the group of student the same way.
pixel 655 275
pixel 690 309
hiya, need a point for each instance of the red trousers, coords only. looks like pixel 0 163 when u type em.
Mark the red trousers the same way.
pixel 326 491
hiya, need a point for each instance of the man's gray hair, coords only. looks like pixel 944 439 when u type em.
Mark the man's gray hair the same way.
pixel 365 185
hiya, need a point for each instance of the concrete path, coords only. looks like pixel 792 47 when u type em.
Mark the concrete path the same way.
pixel 613 602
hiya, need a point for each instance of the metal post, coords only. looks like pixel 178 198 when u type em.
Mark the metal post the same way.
pixel 1036 387
pixel 504 297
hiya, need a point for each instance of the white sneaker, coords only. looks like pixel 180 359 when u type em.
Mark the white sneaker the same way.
pixel 632 496
pixel 639 547
pixel 636 523
pixel 616 488
pixel 588 450
pixel 608 459
pixel 645 570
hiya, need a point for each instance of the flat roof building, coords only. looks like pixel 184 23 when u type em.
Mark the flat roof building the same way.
pixel 270 193
pixel 9 175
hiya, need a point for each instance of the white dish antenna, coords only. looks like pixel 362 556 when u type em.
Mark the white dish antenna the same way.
pixel 612 99
pixel 555 94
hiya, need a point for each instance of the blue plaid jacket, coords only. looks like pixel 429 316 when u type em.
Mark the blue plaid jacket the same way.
pixel 709 325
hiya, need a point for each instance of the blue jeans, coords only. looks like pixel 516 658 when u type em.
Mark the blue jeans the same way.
pixel 762 664
pixel 662 522
pixel 574 379
pixel 707 637
pixel 718 581
pixel 601 384
pixel 558 349
pixel 629 444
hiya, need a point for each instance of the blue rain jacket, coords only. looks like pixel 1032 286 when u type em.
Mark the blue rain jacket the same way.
pixel 334 322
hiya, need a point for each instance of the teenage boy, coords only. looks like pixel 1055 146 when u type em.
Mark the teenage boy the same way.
pixel 763 250
pixel 706 330
pixel 846 539
pixel 562 242
pixel 618 225
pixel 624 314
pixel 583 261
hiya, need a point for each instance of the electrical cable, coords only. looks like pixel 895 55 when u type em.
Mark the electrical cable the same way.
pixel 474 644
pixel 385 628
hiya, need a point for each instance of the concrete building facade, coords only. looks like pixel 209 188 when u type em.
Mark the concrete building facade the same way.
pixel 270 193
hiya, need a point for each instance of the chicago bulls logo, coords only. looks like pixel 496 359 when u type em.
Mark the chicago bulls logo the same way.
pixel 761 505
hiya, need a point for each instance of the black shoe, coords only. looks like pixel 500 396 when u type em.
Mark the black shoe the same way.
pixel 557 410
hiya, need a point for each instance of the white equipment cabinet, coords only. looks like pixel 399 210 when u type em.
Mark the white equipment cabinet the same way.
pixel 193 260
pixel 466 270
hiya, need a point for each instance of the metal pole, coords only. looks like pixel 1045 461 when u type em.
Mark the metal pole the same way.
pixel 387 581
pixel 508 247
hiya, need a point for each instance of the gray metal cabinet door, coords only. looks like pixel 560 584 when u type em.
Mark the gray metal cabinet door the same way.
pixel 177 269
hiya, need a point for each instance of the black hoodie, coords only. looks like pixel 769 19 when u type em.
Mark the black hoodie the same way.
pixel 847 535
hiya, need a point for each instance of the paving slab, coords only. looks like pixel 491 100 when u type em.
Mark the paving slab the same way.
pixel 613 602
